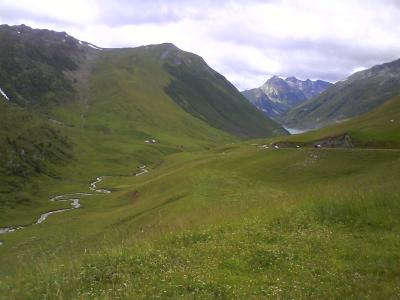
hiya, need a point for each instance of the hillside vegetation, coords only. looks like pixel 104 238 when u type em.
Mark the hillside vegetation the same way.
pixel 28 146
pixel 235 222
pixel 77 109
pixel 358 94
pixel 379 128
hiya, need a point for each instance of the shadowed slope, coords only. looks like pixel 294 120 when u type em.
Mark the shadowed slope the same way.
pixel 360 93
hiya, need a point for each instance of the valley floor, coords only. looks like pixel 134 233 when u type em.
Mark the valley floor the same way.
pixel 232 222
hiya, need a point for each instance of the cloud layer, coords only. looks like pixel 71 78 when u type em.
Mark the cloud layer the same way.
pixel 247 41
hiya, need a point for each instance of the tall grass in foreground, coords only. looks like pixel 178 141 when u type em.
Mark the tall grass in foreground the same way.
pixel 342 246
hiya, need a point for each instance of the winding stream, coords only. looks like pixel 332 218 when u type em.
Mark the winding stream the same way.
pixel 74 198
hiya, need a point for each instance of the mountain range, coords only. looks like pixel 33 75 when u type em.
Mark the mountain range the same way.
pixel 276 96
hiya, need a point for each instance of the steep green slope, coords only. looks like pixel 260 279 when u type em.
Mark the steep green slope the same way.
pixel 360 93
pixel 28 146
pixel 124 95
pixel 208 96
pixel 379 128
pixel 33 65
pixel 50 71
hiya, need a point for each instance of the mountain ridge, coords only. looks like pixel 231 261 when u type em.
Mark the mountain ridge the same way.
pixel 44 69
pixel 360 93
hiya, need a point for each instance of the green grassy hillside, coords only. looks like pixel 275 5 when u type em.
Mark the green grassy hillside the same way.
pixel 28 146
pixel 34 65
pixel 161 90
pixel 358 94
pixel 79 112
pixel 208 96
pixel 379 128
pixel 125 95
pixel 55 73
pixel 235 222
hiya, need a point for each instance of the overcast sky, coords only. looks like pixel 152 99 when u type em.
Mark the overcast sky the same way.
pixel 247 41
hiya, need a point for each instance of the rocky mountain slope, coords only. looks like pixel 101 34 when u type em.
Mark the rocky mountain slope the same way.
pixel 277 95
pixel 358 94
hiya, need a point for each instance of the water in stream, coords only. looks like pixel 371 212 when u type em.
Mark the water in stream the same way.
pixel 74 198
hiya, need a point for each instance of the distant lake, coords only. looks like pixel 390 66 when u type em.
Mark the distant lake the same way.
pixel 296 130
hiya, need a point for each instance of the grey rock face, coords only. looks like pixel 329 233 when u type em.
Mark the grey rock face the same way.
pixel 276 96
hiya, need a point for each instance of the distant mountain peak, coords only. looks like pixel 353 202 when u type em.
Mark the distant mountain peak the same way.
pixel 277 95
pixel 169 45
pixel 274 78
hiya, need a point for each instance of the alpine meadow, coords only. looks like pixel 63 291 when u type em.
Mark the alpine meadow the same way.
pixel 138 170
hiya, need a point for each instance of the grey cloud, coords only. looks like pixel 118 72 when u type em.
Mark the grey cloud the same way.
pixel 324 58
pixel 128 12
pixel 125 12
pixel 328 56
pixel 13 15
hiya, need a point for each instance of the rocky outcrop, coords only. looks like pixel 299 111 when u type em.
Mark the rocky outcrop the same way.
pixel 340 141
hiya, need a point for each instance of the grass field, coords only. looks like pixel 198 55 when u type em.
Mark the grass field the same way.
pixel 231 222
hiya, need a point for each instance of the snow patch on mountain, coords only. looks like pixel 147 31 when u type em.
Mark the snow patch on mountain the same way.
pixel 93 46
pixel 4 94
